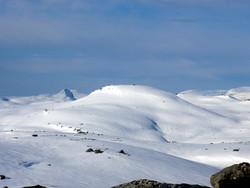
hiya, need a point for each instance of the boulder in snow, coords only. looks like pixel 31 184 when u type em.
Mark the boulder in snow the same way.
pixel 144 183
pixel 35 186
pixel 237 175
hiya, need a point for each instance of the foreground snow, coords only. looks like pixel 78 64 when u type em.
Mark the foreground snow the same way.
pixel 182 138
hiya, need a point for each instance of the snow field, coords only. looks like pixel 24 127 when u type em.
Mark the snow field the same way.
pixel 182 138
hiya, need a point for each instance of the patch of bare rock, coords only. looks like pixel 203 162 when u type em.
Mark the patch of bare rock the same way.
pixel 35 186
pixel 144 183
pixel 235 176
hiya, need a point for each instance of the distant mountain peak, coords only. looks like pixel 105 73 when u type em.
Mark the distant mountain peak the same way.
pixel 64 94
pixel 68 94
pixel 4 99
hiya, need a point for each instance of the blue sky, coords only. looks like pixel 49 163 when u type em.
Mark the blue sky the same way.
pixel 174 45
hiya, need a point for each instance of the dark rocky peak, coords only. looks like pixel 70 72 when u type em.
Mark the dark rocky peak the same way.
pixel 69 94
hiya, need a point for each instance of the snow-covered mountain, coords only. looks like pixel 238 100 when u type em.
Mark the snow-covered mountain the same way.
pixel 242 93
pixel 62 96
pixel 166 137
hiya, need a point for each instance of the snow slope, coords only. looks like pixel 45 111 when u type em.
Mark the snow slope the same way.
pixel 227 104
pixel 165 137
pixel 242 93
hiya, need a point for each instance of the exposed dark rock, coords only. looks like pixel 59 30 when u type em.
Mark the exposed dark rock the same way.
pixel 98 151
pixel 235 176
pixel 35 186
pixel 4 99
pixel 144 183
pixel 2 177
pixel 90 150
pixel 236 149
pixel 122 151
pixel 34 135
pixel 79 131
pixel 69 94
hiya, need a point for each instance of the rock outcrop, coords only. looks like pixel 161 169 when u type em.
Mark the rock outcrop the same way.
pixel 144 183
pixel 35 186
pixel 235 176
